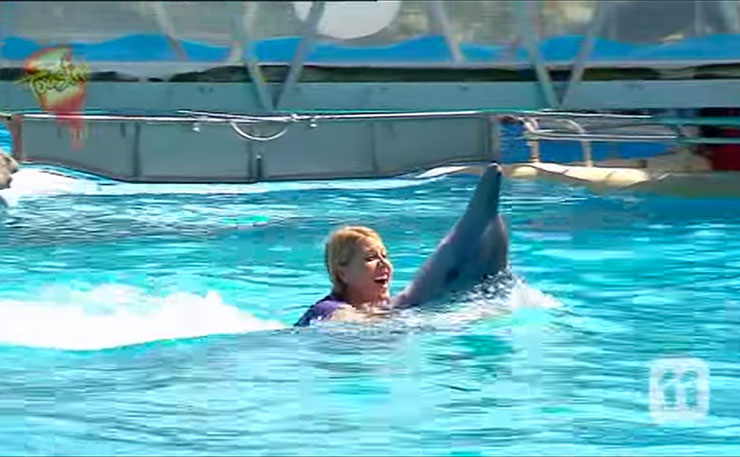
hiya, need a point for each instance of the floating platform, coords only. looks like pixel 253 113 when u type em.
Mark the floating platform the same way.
pixel 670 175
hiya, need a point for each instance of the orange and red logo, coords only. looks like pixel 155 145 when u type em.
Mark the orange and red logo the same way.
pixel 59 86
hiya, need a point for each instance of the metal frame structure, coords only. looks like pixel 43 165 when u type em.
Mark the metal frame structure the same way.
pixel 524 14
pixel 304 46
pixel 579 65
pixel 384 128
pixel 437 11
pixel 577 94
pixel 242 37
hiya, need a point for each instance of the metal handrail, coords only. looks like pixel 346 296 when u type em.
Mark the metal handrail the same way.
pixel 248 136
pixel 585 143
pixel 553 135
pixel 210 116
pixel 530 119
pixel 532 126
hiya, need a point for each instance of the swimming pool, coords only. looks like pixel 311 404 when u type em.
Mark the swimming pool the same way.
pixel 141 319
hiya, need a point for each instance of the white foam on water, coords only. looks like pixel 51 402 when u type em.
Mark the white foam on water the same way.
pixel 37 182
pixel 525 296
pixel 31 182
pixel 477 306
pixel 113 315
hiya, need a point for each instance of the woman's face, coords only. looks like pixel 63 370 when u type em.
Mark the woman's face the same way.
pixel 368 273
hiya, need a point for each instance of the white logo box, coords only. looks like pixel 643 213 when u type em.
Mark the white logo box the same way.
pixel 660 383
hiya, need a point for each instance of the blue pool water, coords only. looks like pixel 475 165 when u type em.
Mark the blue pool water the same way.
pixel 143 320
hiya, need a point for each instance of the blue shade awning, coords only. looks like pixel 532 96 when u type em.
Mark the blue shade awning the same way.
pixel 424 49
pixel 459 33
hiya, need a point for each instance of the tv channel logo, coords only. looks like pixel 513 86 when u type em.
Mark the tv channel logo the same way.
pixel 679 389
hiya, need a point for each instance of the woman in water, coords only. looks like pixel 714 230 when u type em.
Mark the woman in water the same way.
pixel 357 262
pixel 360 273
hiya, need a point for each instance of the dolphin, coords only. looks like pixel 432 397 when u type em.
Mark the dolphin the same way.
pixel 475 247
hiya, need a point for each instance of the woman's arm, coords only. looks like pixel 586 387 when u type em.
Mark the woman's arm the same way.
pixel 475 246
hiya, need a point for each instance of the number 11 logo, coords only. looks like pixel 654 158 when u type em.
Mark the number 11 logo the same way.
pixel 679 389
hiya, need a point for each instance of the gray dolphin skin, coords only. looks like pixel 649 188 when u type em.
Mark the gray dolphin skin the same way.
pixel 476 246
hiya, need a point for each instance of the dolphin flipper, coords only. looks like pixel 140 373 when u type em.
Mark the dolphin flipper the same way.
pixel 476 246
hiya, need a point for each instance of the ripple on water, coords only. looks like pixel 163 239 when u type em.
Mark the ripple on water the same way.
pixel 155 320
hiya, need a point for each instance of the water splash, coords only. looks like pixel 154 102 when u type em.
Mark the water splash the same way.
pixel 42 181
pixel 38 182
pixel 113 315
pixel 494 304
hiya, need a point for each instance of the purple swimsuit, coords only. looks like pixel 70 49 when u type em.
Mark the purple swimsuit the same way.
pixel 321 310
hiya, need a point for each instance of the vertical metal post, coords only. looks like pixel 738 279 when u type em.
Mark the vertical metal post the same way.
pixel 374 127
pixel 259 167
pixel 728 10
pixel 249 148
pixel 436 13
pixel 534 150
pixel 613 27
pixel 136 159
pixel 242 34
pixel 16 134
pixel 533 142
pixel 524 10
pixel 587 45
pixel 699 17
pixel 493 125
pixel 4 21
pixel 296 65
pixel 164 22
pixel 585 144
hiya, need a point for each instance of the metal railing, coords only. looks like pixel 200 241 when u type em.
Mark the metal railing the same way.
pixel 584 128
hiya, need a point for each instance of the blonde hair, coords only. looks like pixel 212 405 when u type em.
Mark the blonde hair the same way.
pixel 340 247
